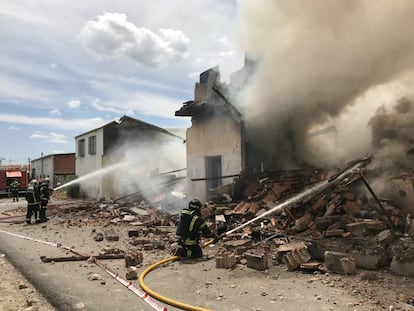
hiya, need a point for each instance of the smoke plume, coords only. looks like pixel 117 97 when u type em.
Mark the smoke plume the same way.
pixel 393 138
pixel 315 59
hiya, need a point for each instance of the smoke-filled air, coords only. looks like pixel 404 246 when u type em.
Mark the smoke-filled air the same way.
pixel 329 63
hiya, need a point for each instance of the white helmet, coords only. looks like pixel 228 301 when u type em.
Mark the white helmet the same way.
pixel 34 181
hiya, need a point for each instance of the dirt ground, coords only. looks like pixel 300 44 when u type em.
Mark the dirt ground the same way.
pixel 198 283
pixel 16 291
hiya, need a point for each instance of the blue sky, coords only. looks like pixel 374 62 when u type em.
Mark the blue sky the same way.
pixel 69 66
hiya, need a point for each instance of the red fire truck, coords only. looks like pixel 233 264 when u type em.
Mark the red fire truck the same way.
pixel 10 173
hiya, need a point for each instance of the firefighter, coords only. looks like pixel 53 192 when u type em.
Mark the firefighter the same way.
pixel 15 187
pixel 45 193
pixel 33 202
pixel 189 230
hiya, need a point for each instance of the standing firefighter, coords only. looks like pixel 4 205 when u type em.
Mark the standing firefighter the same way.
pixel 33 202
pixel 15 187
pixel 189 230
pixel 45 193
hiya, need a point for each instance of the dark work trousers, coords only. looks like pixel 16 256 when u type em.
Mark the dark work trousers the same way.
pixel 33 209
pixel 193 251
pixel 43 209
pixel 15 195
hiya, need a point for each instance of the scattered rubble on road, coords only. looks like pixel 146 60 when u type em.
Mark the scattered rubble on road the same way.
pixel 340 229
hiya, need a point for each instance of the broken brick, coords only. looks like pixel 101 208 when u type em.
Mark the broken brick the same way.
pixel 340 263
pixel 258 261
pixel 225 260
pixel 362 228
pixel 295 258
pixel 133 259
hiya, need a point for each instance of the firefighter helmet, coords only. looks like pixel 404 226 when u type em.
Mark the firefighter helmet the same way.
pixel 34 181
pixel 195 204
pixel 46 180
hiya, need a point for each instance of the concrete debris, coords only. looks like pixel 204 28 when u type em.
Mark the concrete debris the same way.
pixel 340 228
pixel 340 263
pixel 133 258
pixel 131 273
pixel 225 260
pixel 258 260
pixel 111 235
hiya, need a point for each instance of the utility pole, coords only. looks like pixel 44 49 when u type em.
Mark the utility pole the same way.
pixel 41 170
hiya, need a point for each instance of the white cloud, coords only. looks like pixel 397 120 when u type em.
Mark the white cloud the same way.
pixel 109 108
pixel 74 104
pixel 14 128
pixel 55 112
pixel 112 35
pixel 51 137
pixel 153 105
pixel 58 123
pixel 141 103
pixel 18 91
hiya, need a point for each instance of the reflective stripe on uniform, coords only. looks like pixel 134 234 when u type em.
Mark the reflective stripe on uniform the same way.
pixel 191 228
pixel 189 242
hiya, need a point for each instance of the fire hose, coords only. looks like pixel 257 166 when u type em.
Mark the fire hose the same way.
pixel 162 298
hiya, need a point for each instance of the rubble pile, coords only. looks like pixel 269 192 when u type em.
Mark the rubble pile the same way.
pixel 106 213
pixel 345 225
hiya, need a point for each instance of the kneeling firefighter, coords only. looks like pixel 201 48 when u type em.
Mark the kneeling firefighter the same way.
pixel 190 228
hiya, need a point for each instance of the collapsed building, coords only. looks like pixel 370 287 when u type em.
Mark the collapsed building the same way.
pixel 362 221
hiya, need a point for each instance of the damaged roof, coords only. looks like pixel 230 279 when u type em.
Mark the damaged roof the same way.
pixel 129 121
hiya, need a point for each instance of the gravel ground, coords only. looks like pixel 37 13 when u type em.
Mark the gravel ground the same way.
pixel 17 293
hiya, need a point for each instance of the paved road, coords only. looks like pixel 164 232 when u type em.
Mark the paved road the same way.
pixel 65 285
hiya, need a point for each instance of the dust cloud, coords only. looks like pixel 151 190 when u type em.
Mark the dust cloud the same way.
pixel 393 138
pixel 317 60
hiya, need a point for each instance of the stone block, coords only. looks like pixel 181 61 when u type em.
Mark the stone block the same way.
pixel 133 259
pixel 363 228
pixel 403 258
pixel 131 273
pixel 371 258
pixel 340 263
pixel 111 235
pixel 295 258
pixel 258 261
pixel 225 260
pixel 139 241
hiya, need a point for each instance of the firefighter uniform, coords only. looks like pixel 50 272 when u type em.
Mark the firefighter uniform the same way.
pixel 15 187
pixel 189 230
pixel 44 199
pixel 33 203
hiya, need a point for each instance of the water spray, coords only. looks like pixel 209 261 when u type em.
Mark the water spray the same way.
pixel 96 173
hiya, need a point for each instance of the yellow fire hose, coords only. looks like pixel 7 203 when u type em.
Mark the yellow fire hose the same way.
pixel 167 300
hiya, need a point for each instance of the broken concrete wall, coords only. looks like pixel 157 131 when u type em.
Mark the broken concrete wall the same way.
pixel 211 137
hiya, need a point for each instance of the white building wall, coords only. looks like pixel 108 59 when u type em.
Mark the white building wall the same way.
pixel 88 166
pixel 213 137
